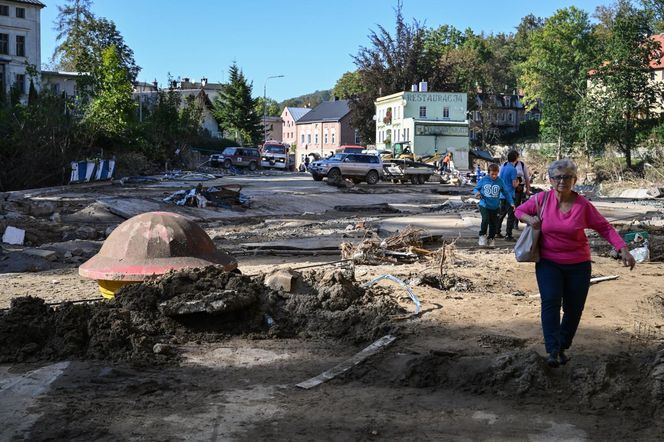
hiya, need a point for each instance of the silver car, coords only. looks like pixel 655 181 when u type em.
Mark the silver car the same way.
pixel 357 167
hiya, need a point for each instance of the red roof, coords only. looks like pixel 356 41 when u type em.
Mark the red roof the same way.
pixel 658 63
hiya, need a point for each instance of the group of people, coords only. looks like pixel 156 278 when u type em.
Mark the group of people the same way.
pixel 500 191
pixel 561 215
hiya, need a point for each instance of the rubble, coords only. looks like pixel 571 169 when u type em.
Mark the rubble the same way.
pixel 225 197
pixel 403 247
pixel 13 236
pixel 201 304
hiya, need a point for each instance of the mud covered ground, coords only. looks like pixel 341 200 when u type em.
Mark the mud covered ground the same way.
pixel 204 356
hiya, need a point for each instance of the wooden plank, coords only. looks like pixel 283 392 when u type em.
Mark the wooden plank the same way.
pixel 349 363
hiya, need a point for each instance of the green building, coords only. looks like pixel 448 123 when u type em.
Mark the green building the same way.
pixel 428 122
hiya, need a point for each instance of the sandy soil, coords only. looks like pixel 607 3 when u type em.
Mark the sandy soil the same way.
pixel 468 367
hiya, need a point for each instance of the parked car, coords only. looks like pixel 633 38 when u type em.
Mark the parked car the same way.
pixel 357 167
pixel 350 148
pixel 248 157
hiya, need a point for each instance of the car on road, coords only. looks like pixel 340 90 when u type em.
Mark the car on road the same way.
pixel 248 157
pixel 350 148
pixel 355 166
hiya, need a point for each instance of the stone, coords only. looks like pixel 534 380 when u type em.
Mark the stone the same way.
pixel 163 349
pixel 108 231
pixel 642 193
pixel 85 232
pixel 42 208
pixel 281 280
pixel 68 254
pixel 13 236
pixel 49 255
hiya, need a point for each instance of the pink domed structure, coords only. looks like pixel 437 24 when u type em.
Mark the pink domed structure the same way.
pixel 151 244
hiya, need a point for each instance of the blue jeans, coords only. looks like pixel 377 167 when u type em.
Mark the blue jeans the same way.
pixel 566 285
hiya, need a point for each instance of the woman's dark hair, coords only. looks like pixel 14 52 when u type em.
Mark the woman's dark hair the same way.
pixel 512 156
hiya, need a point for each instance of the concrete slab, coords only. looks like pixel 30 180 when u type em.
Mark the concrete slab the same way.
pixel 449 224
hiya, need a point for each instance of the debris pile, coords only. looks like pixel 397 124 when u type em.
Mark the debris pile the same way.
pixel 226 197
pixel 194 305
pixel 404 247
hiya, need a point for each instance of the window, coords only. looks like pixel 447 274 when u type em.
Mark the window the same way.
pixel 20 12
pixel 334 134
pixel 55 88
pixel 316 138
pixel 326 137
pixel 4 44
pixel 510 116
pixel 20 46
pixel 423 111
pixel 4 10
pixel 357 137
pixel 302 138
pixel 446 112
pixel 308 138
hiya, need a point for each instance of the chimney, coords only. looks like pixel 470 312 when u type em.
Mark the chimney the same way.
pixel 155 84
pixel 203 82
pixel 424 86
pixel 413 88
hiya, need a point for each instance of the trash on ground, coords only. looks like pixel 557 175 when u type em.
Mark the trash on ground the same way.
pixel 403 247
pixel 346 365
pixel 225 197
pixel 411 294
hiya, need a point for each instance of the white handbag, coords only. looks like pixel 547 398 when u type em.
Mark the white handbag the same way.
pixel 526 248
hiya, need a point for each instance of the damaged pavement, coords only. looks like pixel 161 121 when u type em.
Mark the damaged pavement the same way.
pixel 449 345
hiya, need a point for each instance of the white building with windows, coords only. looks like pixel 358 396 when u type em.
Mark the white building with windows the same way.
pixel 20 42
pixel 427 122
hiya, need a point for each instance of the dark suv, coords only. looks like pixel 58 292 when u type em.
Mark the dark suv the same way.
pixel 237 156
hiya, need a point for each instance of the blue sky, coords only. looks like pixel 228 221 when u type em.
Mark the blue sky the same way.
pixel 310 42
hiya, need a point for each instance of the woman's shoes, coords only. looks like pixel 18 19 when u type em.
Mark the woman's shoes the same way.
pixel 563 358
pixel 556 359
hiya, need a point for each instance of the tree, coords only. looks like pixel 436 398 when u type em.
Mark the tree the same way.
pixel 348 86
pixel 82 39
pixel 235 109
pixel 391 63
pixel 112 109
pixel 556 70
pixel 623 96
pixel 272 108
pixel 655 11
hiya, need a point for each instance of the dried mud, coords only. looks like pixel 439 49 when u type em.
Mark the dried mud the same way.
pixel 145 321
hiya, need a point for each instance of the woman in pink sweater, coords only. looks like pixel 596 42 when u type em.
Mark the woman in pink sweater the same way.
pixel 563 272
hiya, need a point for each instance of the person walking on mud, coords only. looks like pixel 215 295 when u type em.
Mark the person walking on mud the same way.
pixel 508 174
pixel 488 189
pixel 563 271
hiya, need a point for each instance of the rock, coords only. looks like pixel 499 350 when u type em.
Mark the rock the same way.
pixel 85 232
pixel 163 349
pixel 642 193
pixel 56 217
pixel 42 208
pixel 13 236
pixel 281 280
pixel 108 231
pixel 13 215
pixel 48 255
pixel 68 254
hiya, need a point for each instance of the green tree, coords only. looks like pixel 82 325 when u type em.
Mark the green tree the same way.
pixel 556 70
pixel 235 109
pixel 391 63
pixel 623 96
pixel 272 108
pixel 655 11
pixel 111 111
pixel 82 38
pixel 348 86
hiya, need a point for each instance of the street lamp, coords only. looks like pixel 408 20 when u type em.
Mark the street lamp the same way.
pixel 265 106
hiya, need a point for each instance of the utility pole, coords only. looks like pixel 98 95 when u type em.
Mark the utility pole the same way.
pixel 265 105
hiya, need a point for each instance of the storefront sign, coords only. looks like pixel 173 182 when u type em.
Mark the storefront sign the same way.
pixel 430 129
pixel 434 97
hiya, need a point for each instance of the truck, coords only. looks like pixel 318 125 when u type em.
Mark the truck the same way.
pixel 277 155
pixel 406 170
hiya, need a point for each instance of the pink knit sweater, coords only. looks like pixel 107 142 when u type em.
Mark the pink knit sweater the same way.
pixel 563 239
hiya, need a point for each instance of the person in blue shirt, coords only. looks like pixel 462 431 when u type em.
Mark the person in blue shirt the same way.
pixel 509 175
pixel 489 189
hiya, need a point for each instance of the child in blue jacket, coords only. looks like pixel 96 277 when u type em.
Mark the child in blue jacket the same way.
pixel 488 189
